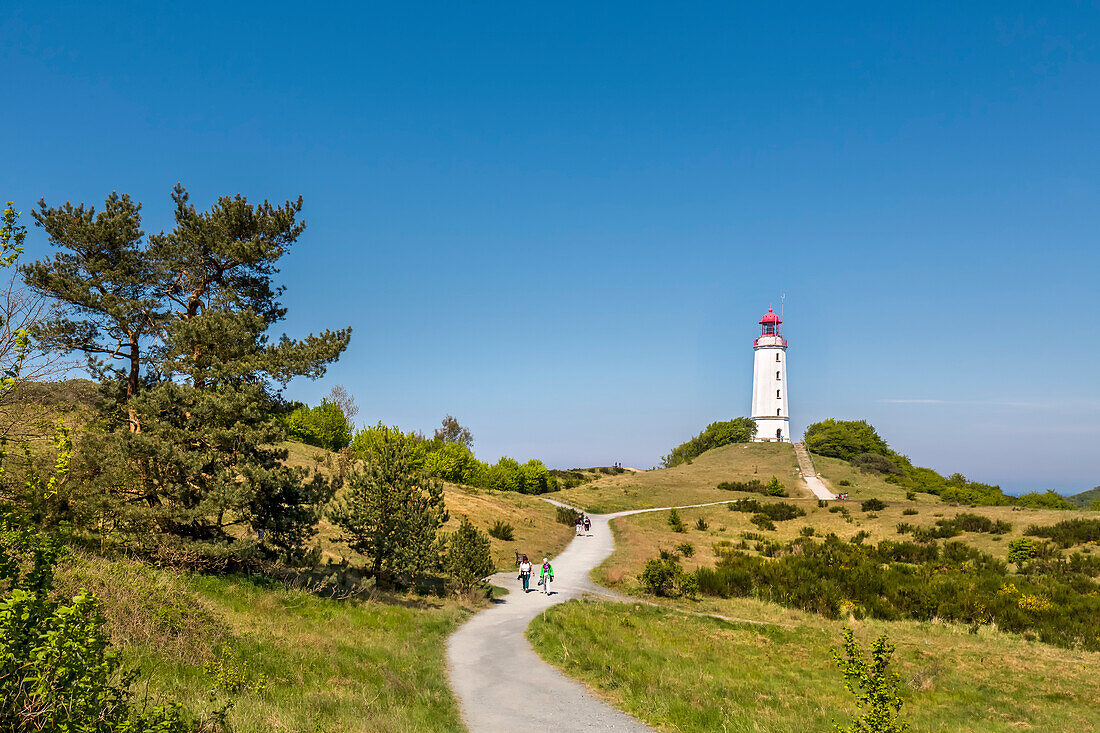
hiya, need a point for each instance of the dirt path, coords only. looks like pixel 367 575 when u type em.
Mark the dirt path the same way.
pixel 501 684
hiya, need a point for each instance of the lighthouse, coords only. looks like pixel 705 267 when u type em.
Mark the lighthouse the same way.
pixel 769 381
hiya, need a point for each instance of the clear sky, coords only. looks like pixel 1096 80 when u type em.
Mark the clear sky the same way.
pixel 560 222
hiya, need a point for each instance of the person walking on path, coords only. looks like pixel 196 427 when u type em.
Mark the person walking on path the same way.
pixel 587 525
pixel 525 569
pixel 580 524
pixel 546 576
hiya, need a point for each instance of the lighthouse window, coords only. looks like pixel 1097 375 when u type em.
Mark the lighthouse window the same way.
pixel 777 394
pixel 777 357
pixel 777 413
pixel 777 375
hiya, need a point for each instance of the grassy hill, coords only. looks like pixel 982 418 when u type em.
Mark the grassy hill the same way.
pixel 767 667
pixel 689 483
pixel 1085 498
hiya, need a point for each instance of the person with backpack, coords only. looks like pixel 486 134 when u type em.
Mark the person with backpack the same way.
pixel 587 525
pixel 546 577
pixel 580 524
pixel 525 569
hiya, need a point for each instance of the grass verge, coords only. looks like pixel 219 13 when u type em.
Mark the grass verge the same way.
pixel 689 673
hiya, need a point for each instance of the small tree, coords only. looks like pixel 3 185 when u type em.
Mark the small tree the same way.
pixel 469 559
pixel 392 512
pixel 874 685
pixel 775 488
pixel 1020 551
pixel 451 432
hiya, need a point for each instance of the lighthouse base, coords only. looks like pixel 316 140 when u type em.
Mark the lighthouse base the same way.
pixel 773 429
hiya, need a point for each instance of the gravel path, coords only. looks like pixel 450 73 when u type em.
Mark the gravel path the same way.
pixel 501 684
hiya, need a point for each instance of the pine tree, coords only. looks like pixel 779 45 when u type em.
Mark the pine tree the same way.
pixel 198 459
pixel 469 558
pixel 392 511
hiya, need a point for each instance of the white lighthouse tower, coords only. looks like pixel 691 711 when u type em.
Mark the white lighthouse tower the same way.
pixel 769 381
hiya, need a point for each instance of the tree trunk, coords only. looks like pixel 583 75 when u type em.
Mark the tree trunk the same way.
pixel 133 383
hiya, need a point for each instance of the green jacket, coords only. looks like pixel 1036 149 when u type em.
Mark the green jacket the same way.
pixel 547 569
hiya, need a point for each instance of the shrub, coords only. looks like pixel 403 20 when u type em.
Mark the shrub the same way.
pixel 567 516
pixel 1069 532
pixel 502 531
pixel 686 549
pixel 1046 500
pixel 844 439
pixel 663 576
pixel 775 488
pixel 874 685
pixel 776 511
pixel 909 512
pixel 58 671
pixel 872 505
pixel 821 503
pixel 806 531
pixel 762 521
pixel 1021 550
pixel 324 426
pixel 904 527
pixel 910 496
pixel 701 524
pixel 844 482
pixel 675 522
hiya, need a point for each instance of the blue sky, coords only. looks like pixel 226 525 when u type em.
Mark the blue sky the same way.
pixel 561 222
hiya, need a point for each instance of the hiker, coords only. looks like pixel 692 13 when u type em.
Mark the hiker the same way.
pixel 546 577
pixel 580 524
pixel 525 569
pixel 587 524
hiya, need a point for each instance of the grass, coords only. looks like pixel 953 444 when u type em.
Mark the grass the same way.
pixel 352 665
pixel 689 483
pixel 689 673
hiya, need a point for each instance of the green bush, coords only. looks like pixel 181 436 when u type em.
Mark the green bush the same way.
pixel 686 549
pixel 567 516
pixel 701 524
pixel 844 439
pixel 909 512
pixel 873 505
pixel 57 669
pixel 1046 500
pixel 717 434
pixel 663 576
pixel 875 686
pixel 324 426
pixel 1021 550
pixel 776 511
pixel 1068 532
pixel 502 531
pixel 762 521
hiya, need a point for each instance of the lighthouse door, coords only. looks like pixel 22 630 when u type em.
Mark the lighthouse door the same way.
pixel 779 434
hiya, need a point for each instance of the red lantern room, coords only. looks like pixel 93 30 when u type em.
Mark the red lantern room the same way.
pixel 770 325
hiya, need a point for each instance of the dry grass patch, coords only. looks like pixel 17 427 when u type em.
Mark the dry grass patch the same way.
pixel 689 483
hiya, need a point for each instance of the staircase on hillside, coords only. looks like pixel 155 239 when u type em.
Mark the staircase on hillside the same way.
pixel 805 463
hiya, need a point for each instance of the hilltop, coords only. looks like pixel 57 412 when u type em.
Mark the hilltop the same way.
pixel 1085 499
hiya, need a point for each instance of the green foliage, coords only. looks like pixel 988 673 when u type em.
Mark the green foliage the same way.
pixel 874 684
pixel 909 512
pixel 181 458
pixel 763 522
pixel 1069 531
pixel 686 549
pixel 663 576
pixel 872 505
pixel 567 516
pixel 701 524
pixel 469 557
pixel 675 522
pixel 324 426
pixel 57 669
pixel 392 512
pixel 1021 550
pixel 452 462
pixel 502 531
pixel 717 434
pixel 844 439
pixel 1058 599
pixel 452 432
pixel 876 463
pixel 776 511
pixel 233 675
pixel 1045 500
